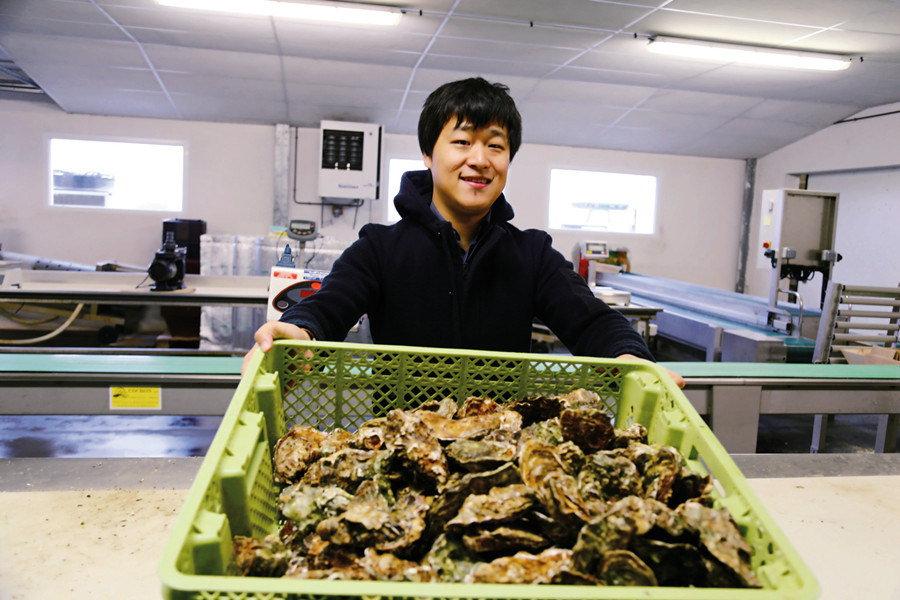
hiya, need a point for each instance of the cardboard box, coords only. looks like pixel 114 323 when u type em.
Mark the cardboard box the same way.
pixel 876 355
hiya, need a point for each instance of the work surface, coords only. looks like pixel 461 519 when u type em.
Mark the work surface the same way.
pixel 86 528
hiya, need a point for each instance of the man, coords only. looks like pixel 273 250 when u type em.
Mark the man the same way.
pixel 453 272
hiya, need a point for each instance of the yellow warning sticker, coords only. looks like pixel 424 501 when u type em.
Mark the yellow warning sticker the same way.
pixel 135 397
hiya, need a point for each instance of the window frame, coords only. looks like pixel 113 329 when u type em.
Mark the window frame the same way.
pixel 552 220
pixel 51 204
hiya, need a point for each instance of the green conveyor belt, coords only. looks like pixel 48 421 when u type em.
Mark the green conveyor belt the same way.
pixel 231 365
pixel 782 370
pixel 86 363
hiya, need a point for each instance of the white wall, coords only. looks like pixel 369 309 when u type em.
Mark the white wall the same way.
pixel 866 145
pixel 698 210
pixel 229 183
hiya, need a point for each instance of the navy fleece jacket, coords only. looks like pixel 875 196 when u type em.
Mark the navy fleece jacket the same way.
pixel 410 279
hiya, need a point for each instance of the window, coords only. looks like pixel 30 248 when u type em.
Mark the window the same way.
pixel 596 201
pixel 396 168
pixel 116 175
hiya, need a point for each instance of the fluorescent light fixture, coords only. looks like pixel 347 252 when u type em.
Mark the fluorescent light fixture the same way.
pixel 751 55
pixel 338 12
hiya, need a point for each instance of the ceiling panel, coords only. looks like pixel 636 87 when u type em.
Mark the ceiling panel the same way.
pixel 810 13
pixel 579 69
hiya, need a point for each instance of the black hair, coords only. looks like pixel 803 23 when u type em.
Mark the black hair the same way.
pixel 472 100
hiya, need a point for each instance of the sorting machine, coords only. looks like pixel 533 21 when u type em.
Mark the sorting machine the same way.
pixel 797 232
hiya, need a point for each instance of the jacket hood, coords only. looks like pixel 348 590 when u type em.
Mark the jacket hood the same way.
pixel 413 201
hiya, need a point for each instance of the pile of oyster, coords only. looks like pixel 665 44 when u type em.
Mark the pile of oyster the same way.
pixel 538 490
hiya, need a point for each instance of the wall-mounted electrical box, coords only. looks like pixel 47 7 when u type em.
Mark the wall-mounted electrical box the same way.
pixel 350 161
pixel 800 222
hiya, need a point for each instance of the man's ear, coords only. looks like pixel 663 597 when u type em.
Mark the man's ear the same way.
pixel 427 159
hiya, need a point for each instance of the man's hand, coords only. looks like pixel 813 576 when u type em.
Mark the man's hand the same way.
pixel 271 331
pixel 678 379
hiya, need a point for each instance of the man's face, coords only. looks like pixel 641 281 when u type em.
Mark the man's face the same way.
pixel 469 168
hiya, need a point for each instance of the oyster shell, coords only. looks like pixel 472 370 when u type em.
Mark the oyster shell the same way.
pixel 500 505
pixel 537 460
pixel 267 557
pixel 535 409
pixel 347 468
pixel 473 406
pixel 480 455
pixel 432 493
pixel 720 537
pixel 417 445
pixel 608 477
pixel 446 407
pixel 501 540
pixel 659 466
pixel 450 559
pixel 590 428
pixel 387 567
pixel 471 428
pixel 623 567
pixel 307 505
pixel 524 567
pixel 453 495
pixel 295 451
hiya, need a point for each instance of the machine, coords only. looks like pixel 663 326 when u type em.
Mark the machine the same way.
pixel 797 233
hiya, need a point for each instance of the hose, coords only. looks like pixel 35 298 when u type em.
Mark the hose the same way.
pixel 47 336
pixel 16 319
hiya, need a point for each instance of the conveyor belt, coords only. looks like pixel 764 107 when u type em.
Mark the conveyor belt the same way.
pixel 722 325
pixel 732 396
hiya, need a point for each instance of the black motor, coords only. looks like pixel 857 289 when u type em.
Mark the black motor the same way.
pixel 167 268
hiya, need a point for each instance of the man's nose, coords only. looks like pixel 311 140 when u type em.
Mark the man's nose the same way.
pixel 478 155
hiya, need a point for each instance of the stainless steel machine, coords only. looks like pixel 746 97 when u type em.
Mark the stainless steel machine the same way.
pixel 797 233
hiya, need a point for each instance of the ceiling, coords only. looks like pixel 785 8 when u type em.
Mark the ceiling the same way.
pixel 578 69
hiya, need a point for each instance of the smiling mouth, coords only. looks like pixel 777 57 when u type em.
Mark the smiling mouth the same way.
pixel 482 180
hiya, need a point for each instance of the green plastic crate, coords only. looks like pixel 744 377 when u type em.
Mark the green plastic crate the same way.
pixel 334 384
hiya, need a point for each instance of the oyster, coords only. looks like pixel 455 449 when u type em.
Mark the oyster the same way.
pixel 373 519
pixel 500 505
pixel 548 431
pixel 524 567
pixel 471 428
pixel 626 519
pixel 387 567
pixel 623 567
pixel 295 451
pixel 480 455
pixel 307 505
pixel 673 564
pixel 537 460
pixel 418 448
pixel 474 406
pixel 446 407
pixel 659 466
pixel 607 478
pixel 535 409
pixel 720 537
pixel 571 457
pixel 582 398
pixel 450 559
pixel 501 540
pixel 261 558
pixel 453 495
pixel 633 434
pixel 434 493
pixel 561 499
pixel 347 468
pixel 588 427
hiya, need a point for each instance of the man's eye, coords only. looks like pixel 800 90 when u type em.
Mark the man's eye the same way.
pixel 463 142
